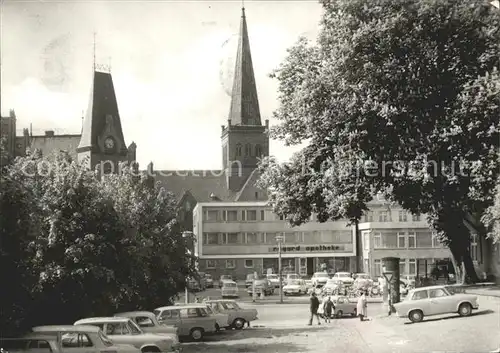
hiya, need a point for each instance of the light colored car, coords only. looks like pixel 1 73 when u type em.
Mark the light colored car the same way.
pixel 65 338
pixel 224 278
pixel 320 278
pixel 238 316
pixel 343 306
pixel 435 300
pixel 221 319
pixel 229 289
pixel 209 280
pixel 295 287
pixel 147 321
pixel 330 287
pixel 191 320
pixel 291 276
pixel 309 283
pixel 261 285
pixel 345 277
pixel 274 279
pixel 124 331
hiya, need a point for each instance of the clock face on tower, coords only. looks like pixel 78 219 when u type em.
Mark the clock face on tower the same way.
pixel 109 143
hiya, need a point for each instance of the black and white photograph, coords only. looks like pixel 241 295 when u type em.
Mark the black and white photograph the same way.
pixel 249 176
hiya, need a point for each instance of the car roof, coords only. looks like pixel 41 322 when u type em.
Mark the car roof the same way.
pixel 134 313
pixel 180 306
pixel 220 301
pixel 102 319
pixel 66 328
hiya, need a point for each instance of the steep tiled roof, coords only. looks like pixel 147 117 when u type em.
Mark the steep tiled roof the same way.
pixel 244 109
pixel 50 144
pixel 200 183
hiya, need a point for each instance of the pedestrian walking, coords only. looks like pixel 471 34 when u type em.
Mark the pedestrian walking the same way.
pixel 314 306
pixel 327 309
pixel 361 306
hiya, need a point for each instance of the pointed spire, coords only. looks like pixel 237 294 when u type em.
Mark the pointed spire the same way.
pixel 244 108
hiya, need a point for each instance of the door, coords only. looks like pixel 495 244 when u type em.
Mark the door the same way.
pixel 310 266
pixel 420 299
pixel 173 317
pixel 439 302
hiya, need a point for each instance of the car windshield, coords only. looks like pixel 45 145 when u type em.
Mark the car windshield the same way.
pixel 294 282
pixel 134 329
pixel 226 277
pixel 229 284
pixel 322 275
pixel 331 281
pixel 272 277
pixel 104 339
pixel 230 305
pixel 362 276
pixel 343 274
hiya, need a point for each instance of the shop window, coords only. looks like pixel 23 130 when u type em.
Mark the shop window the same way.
pixel 401 240
pixel 211 264
pixel 377 240
pixel 231 263
pixel 248 263
pixel 403 216
pixel 412 238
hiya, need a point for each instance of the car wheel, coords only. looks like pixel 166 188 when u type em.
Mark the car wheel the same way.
pixel 416 315
pixel 340 313
pixel 239 323
pixel 355 312
pixel 217 328
pixel 196 334
pixel 150 350
pixel 465 309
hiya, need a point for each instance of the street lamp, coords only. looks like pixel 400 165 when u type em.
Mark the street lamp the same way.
pixel 187 235
pixel 279 240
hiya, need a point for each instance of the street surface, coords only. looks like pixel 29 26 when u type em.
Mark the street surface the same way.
pixel 283 328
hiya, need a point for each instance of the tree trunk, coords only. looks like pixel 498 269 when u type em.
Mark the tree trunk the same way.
pixel 469 268
pixel 359 248
pixel 458 270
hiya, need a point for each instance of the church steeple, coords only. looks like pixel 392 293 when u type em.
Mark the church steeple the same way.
pixel 244 108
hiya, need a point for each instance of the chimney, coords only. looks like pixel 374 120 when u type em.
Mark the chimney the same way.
pixel 267 123
pixel 49 133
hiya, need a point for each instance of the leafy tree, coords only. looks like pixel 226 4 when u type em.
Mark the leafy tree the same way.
pixel 399 97
pixel 491 217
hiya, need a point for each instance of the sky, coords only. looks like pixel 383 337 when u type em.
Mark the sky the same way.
pixel 171 64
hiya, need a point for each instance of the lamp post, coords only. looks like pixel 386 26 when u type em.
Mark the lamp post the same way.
pixel 279 240
pixel 187 235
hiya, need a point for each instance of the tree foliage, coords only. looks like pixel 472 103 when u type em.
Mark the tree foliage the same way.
pixel 491 217
pixel 396 96
pixel 75 245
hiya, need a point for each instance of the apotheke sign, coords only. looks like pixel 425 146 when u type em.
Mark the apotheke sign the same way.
pixel 312 248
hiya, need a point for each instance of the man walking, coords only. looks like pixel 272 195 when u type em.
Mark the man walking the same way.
pixel 314 306
pixel 327 309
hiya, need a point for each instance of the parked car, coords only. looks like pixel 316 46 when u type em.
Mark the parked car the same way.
pixel 64 339
pixel 309 283
pixel 295 287
pixel 435 300
pixel 191 320
pixel 291 276
pixel 221 319
pixel 319 278
pixel 330 286
pixel 249 280
pixel 224 278
pixel 124 331
pixel 229 289
pixel 274 279
pixel 148 322
pixel 209 280
pixel 343 306
pixel 262 285
pixel 345 277
pixel 238 316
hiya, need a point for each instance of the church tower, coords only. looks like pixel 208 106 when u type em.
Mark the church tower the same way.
pixel 102 143
pixel 244 140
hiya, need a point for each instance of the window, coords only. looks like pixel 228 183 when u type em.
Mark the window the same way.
pixel 175 314
pixel 415 217
pixel 419 295
pixel 230 215
pixel 251 238
pixel 192 312
pixel 262 215
pixel 210 238
pixel 258 150
pixel 144 321
pixel 377 240
pixel 369 216
pixel 402 267
pixel 473 247
pixel 412 239
pixel 437 293
pixel 402 216
pixel 401 240
pixel 383 216
pixel 238 150
pixel 412 267
pixel 248 263
pixel 212 216
pixel 251 215
pixel 377 268
pixel 75 340
pixel 232 238
pixel 211 264
pixel 248 149
pixel 230 264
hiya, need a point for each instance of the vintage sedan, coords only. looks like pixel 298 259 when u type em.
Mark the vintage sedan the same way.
pixel 295 287
pixel 229 289
pixel 238 316
pixel 209 280
pixel 124 331
pixel 274 280
pixel 192 320
pixel 147 321
pixel 63 339
pixel 319 279
pixel 224 278
pixel 435 300
pixel 343 306
pixel 221 319
pixel 345 277
pixel 331 287
pixel 261 285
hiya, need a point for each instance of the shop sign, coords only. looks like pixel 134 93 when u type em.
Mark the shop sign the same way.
pixel 311 248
